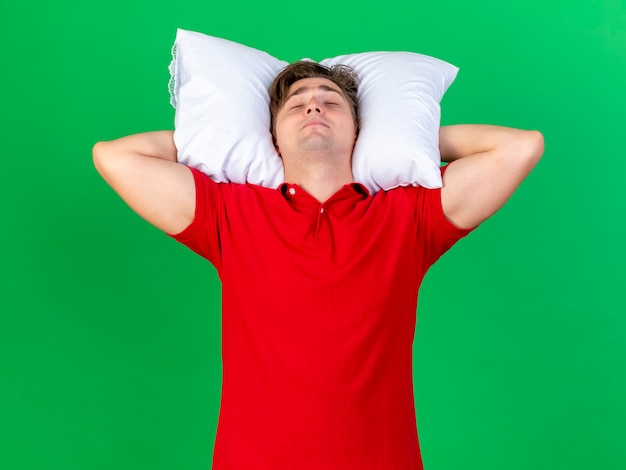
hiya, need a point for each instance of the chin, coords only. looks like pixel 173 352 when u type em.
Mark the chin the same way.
pixel 315 144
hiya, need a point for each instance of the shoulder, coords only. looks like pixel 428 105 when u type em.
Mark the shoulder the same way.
pixel 227 197
pixel 204 181
pixel 425 205
pixel 409 194
pixel 412 190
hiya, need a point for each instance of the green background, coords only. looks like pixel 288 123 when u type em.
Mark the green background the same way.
pixel 109 330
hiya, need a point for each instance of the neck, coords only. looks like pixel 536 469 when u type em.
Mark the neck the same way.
pixel 318 175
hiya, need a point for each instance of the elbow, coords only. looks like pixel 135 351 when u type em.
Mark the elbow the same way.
pixel 534 146
pixel 102 157
pixel 96 155
pixel 529 149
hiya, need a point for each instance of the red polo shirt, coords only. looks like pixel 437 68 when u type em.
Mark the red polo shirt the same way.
pixel 319 308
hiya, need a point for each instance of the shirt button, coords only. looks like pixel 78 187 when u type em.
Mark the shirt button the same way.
pixel 292 191
pixel 322 210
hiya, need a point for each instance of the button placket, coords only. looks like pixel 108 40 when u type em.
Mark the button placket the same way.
pixel 318 222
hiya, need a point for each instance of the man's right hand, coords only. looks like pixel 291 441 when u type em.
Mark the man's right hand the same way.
pixel 144 171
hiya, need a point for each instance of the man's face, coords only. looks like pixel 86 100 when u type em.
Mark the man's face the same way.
pixel 315 117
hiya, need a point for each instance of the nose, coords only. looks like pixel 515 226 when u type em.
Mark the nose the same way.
pixel 313 106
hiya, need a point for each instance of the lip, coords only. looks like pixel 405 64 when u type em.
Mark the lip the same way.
pixel 314 122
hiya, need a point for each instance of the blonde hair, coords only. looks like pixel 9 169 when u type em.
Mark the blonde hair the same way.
pixel 343 76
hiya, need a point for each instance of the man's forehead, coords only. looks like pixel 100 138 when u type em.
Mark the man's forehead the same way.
pixel 306 84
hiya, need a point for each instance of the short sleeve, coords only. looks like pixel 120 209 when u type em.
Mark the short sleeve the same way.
pixel 203 234
pixel 436 232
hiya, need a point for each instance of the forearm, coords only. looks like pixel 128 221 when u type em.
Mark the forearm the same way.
pixel 158 144
pixel 144 171
pixel 464 140
pixel 488 164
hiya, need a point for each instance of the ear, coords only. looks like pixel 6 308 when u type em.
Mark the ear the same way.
pixel 274 142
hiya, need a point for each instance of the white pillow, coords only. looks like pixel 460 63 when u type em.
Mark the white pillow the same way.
pixel 220 91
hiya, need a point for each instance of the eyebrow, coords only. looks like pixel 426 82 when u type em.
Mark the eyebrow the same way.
pixel 304 89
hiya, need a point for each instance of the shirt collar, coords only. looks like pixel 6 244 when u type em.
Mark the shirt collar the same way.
pixel 298 197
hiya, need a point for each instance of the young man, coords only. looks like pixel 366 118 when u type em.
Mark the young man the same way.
pixel 319 278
